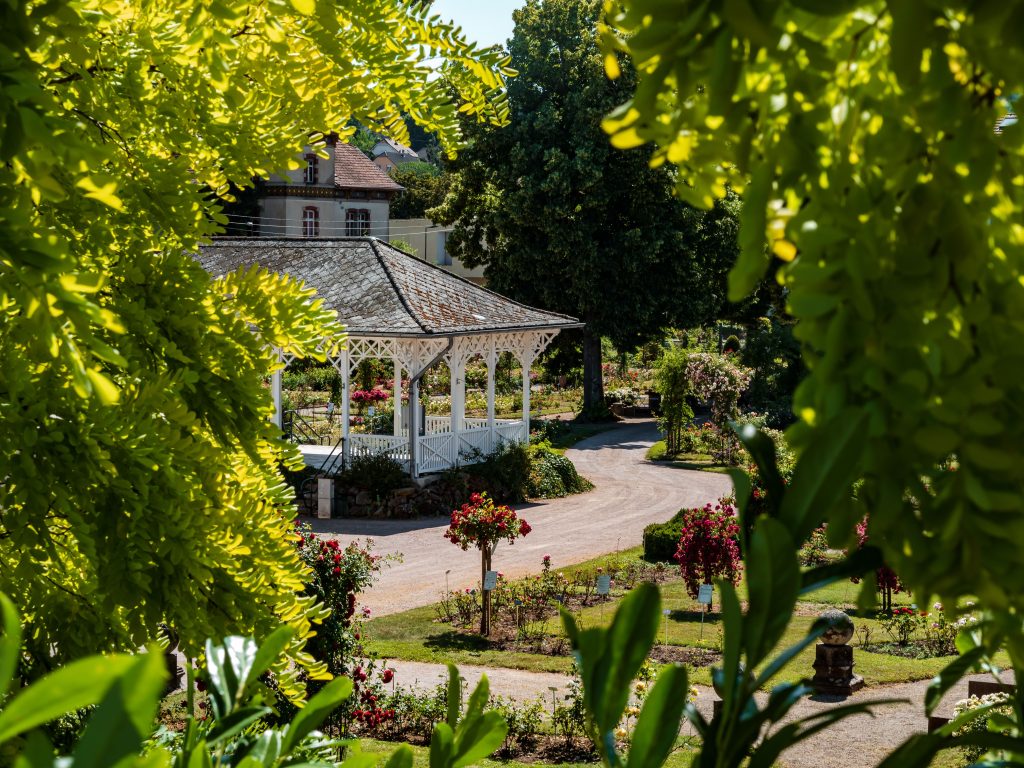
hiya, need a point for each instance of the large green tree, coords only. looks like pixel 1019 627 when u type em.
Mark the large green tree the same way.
pixel 139 477
pixel 561 218
pixel 882 177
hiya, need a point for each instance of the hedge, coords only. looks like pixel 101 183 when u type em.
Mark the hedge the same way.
pixel 661 540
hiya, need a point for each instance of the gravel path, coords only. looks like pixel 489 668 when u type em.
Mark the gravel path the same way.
pixel 862 740
pixel 630 493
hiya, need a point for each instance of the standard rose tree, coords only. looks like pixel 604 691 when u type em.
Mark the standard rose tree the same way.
pixel 482 524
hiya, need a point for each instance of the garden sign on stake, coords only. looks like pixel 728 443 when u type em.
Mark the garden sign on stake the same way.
pixel 483 524
pixel 704 597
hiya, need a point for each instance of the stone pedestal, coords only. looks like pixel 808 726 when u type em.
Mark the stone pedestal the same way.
pixel 833 670
pixel 325 498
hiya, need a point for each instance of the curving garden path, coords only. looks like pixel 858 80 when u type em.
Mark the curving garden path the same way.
pixel 629 494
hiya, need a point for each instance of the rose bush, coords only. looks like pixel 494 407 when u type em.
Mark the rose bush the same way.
pixel 482 523
pixel 708 547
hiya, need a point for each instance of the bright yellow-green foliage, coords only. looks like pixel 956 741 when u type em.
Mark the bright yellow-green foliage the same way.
pixel 139 474
pixel 862 135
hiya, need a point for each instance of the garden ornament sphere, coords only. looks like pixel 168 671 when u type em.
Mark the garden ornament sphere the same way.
pixel 839 627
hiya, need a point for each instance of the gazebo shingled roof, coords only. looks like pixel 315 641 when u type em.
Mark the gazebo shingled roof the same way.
pixel 396 307
pixel 378 290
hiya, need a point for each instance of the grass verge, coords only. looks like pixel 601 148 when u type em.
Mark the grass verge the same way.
pixel 698 461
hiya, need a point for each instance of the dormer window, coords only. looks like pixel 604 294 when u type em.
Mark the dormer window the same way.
pixel 357 222
pixel 310 221
pixel 312 169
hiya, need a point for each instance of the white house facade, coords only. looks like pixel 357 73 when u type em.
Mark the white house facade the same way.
pixel 341 195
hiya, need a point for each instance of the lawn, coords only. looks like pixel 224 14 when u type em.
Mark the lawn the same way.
pixel 701 461
pixel 575 431
pixel 416 635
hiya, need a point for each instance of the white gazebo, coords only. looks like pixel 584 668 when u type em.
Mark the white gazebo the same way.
pixel 414 315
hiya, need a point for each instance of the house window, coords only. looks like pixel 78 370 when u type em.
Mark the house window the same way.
pixel 357 222
pixel 312 169
pixel 310 221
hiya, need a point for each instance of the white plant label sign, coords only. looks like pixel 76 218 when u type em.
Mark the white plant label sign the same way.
pixel 604 584
pixel 704 594
pixel 490 580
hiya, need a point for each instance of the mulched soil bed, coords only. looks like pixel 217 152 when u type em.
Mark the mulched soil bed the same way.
pixel 915 649
pixel 685 654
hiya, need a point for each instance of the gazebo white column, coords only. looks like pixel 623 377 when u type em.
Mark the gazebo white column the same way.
pixel 457 370
pixel 346 377
pixel 491 360
pixel 526 360
pixel 397 397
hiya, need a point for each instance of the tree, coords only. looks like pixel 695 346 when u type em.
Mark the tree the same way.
pixel 672 382
pixel 563 220
pixel 880 176
pixel 483 524
pixel 425 187
pixel 707 546
pixel 139 471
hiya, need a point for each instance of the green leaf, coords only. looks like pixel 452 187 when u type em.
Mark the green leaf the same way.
pixel 478 738
pixel 753 260
pixel 10 644
pixel 628 641
pixel 272 647
pixel 825 472
pixel 235 721
pixel 312 715
pixel 78 684
pixel 911 24
pixel 732 625
pixel 305 7
pixel 400 758
pixel 124 718
pixel 762 451
pixel 478 698
pixel 657 727
pixel 773 584
pixel 442 741
pixel 744 19
pixel 950 676
pixel 453 696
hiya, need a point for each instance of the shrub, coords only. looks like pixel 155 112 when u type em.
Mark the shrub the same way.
pixel 815 550
pixel 378 474
pixel 1003 705
pixel 336 576
pixel 505 473
pixel 524 721
pixel 552 475
pixel 707 546
pixel 546 430
pixel 732 344
pixel 320 378
pixel 661 540
pixel 901 624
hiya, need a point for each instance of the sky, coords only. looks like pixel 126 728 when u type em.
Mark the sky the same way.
pixel 484 21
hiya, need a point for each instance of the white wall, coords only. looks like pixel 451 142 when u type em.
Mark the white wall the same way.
pixel 282 216
pixel 429 241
